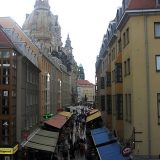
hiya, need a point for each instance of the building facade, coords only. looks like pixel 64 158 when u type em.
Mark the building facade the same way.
pixel 86 92
pixel 44 30
pixel 19 90
pixel 127 74
pixel 37 75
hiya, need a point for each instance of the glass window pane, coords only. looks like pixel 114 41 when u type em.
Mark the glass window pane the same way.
pixel 158 63
pixel 5 54
pixel 5 93
pixel 158 107
pixel 157 29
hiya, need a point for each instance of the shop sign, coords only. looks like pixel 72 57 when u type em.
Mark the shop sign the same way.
pixel 9 150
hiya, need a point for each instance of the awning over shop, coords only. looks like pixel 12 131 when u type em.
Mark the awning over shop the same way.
pixel 101 136
pixel 57 121
pixel 111 152
pixel 66 114
pixel 93 111
pixel 43 140
pixel 93 116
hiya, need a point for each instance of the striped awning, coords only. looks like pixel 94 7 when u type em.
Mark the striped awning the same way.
pixel 93 111
pixel 102 136
pixel 111 152
pixel 43 140
pixel 93 116
pixel 57 121
pixel 66 114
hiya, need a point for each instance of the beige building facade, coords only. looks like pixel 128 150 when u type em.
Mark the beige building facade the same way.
pixel 85 89
pixel 129 64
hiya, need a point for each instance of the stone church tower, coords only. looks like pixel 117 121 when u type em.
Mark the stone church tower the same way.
pixel 81 75
pixel 68 49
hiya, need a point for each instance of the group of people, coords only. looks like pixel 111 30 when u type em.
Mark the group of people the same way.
pixel 72 140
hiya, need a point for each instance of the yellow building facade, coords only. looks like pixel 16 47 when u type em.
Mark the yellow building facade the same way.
pixel 129 63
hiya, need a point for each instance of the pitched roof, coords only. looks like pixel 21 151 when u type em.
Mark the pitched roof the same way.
pixel 5 42
pixel 57 121
pixel 142 4
pixel 7 22
pixel 84 82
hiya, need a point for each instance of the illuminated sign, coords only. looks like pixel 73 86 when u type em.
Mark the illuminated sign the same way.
pixel 9 150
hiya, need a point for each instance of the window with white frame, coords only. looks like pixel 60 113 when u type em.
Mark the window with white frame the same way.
pixel 157 29
pixel 158 63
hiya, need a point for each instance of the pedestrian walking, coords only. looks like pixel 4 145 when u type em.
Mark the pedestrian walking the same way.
pixel 82 148
pixel 76 147
pixel 76 135
pixel 72 151
pixel 65 152
pixel 61 149
pixel 54 157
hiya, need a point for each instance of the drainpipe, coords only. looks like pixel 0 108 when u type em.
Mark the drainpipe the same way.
pixel 148 84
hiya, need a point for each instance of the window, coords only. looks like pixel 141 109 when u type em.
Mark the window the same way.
pixel 6 80
pixel 109 104
pixel 113 75
pixel 5 71
pixel 102 103
pixel 119 106
pixel 113 54
pixel 5 54
pixel 109 55
pixel 127 36
pixel 125 68
pixel 119 45
pixel 13 54
pixel 158 63
pixel 118 72
pixel 6 63
pixel 5 93
pixel 5 102
pixel 5 132
pixel 128 66
pixel 108 79
pixel 157 29
pixel 102 83
pixel 124 40
pixel 128 106
pixel 158 107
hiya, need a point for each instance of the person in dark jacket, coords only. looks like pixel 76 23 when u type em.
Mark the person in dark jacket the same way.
pixel 72 151
pixel 54 157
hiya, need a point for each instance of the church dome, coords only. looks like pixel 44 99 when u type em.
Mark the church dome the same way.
pixel 42 25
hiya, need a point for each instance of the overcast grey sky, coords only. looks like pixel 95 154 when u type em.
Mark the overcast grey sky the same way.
pixel 86 22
